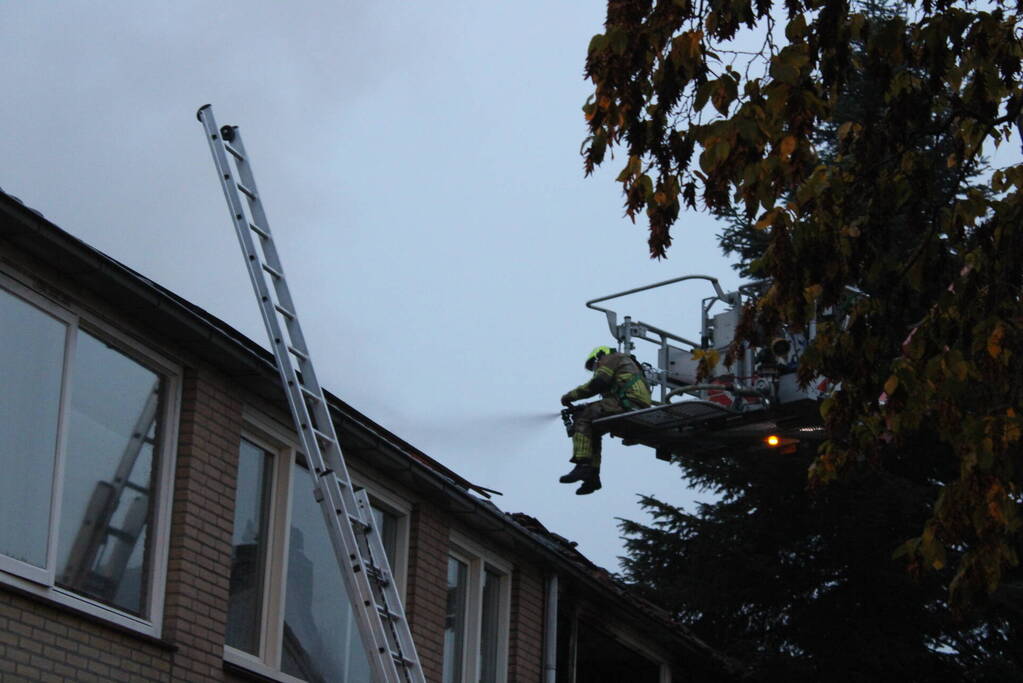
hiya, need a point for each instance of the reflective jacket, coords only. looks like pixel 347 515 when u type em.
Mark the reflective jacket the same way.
pixel 616 376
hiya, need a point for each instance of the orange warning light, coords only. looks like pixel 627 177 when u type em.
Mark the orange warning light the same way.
pixel 773 440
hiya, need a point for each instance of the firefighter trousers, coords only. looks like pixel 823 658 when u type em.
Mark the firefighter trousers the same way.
pixel 586 442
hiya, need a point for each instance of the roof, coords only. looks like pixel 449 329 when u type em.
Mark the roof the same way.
pixel 614 585
pixel 190 327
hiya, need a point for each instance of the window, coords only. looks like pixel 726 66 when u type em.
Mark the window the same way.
pixel 288 616
pixel 476 618
pixel 490 625
pixel 321 637
pixel 32 349
pixel 249 546
pixel 85 442
pixel 454 619
pixel 602 656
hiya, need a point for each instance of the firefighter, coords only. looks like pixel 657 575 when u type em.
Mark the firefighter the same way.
pixel 619 380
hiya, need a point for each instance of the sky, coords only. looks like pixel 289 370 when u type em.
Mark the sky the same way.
pixel 419 165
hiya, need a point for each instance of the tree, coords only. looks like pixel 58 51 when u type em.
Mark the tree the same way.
pixel 799 588
pixel 940 371
pixel 804 587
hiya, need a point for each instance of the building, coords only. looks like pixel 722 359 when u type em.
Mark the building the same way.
pixel 156 523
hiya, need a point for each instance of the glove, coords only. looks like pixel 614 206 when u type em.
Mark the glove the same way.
pixel 566 401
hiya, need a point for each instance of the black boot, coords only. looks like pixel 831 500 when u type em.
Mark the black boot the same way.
pixel 590 484
pixel 581 472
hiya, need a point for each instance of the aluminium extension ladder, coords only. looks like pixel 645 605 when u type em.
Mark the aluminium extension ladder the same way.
pixel 357 544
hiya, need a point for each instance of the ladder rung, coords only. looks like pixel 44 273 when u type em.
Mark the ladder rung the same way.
pixel 401 659
pixel 388 614
pixel 298 352
pixel 310 394
pixel 235 153
pixel 273 271
pixel 326 473
pixel 251 194
pixel 285 312
pixel 259 231
pixel 381 577
pixel 323 436
pixel 121 534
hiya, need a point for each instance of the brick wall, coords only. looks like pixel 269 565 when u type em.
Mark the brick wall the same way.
pixel 201 524
pixel 525 642
pixel 43 643
pixel 427 600
pixel 427 586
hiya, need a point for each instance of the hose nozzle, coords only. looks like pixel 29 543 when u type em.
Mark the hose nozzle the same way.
pixel 568 417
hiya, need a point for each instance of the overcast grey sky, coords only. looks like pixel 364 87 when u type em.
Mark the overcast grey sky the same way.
pixel 419 163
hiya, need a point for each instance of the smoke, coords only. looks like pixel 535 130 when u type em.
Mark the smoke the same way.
pixel 482 431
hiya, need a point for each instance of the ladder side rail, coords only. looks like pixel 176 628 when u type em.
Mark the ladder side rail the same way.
pixel 253 264
pixel 330 496
pixel 140 430
pixel 320 415
pixel 269 248
pixel 242 231
pixel 278 340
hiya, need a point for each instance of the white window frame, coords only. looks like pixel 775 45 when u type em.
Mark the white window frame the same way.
pixel 478 559
pixel 42 582
pixel 280 441
pixel 268 436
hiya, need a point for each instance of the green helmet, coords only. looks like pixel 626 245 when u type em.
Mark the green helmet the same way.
pixel 595 355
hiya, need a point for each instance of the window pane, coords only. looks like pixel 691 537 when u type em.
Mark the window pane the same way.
pixel 31 366
pixel 251 517
pixel 454 620
pixel 387 524
pixel 490 626
pixel 321 637
pixel 103 544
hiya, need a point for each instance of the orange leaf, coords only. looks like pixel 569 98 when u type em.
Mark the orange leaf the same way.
pixel 844 130
pixel 787 147
pixel 695 38
pixel 767 220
